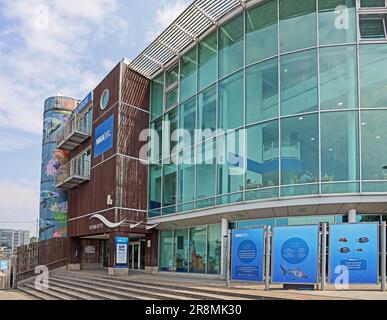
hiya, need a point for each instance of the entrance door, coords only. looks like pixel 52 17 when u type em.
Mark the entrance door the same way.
pixel 134 256
pixel 105 254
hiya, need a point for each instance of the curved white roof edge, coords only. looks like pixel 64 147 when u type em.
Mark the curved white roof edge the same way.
pixel 196 20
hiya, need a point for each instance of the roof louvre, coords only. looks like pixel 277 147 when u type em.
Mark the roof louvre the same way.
pixel 186 29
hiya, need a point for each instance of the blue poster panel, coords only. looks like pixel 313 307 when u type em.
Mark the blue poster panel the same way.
pixel 247 254
pixel 122 252
pixel 103 137
pixel 354 253
pixel 295 254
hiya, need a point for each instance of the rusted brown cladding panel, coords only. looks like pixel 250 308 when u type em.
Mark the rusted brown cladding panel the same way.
pixel 124 178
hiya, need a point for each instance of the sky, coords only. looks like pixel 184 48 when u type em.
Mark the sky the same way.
pixel 58 47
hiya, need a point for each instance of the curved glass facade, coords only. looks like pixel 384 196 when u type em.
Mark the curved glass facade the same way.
pixel 305 99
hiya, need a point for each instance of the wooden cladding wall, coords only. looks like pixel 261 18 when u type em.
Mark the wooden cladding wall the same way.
pixel 95 257
pixel 132 122
pixel 131 183
pixel 135 89
pixel 112 83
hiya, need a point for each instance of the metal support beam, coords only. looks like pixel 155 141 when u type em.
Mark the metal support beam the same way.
pixel 267 257
pixel 383 254
pixel 323 256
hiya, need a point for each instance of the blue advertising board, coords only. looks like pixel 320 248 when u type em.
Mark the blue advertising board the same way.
pixel 295 254
pixel 247 254
pixel 354 248
pixel 4 265
pixel 103 137
pixel 122 252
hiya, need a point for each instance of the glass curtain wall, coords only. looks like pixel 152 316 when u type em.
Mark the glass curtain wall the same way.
pixel 312 106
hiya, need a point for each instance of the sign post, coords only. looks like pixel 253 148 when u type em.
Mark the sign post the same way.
pixel 267 258
pixel 383 254
pixel 228 262
pixel 323 256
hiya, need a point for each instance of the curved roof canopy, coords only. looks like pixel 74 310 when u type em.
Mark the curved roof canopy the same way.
pixel 186 29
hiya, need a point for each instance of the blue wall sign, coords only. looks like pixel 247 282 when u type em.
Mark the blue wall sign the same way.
pixel 104 137
pixel 122 252
pixel 354 248
pixel 247 254
pixel 85 102
pixel 295 254
pixel 4 265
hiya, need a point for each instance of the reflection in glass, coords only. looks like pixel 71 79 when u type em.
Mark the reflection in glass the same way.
pixel 298 24
pixel 187 121
pixel 299 82
pixel 207 60
pixel 157 94
pixel 166 251
pixel 154 187
pixel 169 185
pixel 261 32
pixel 180 243
pixel 205 174
pixel 198 249
pixel 337 22
pixel 186 176
pixel 214 248
pixel 231 46
pixel 338 78
pixel 188 74
pixel 262 91
pixel 207 110
pixel 373 82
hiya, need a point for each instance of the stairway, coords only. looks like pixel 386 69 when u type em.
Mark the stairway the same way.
pixel 64 285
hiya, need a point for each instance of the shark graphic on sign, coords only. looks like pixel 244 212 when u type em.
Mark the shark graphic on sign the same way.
pixel 106 222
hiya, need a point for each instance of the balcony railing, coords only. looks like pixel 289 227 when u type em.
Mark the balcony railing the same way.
pixel 74 172
pixel 74 133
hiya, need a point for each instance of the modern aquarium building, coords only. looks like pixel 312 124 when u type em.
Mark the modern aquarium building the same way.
pixel 282 111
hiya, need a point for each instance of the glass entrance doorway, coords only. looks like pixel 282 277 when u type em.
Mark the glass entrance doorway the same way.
pixel 134 256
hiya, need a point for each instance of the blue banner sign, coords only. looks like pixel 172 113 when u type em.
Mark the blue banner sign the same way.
pixel 85 102
pixel 354 253
pixel 295 254
pixel 247 254
pixel 104 136
pixel 4 265
pixel 122 252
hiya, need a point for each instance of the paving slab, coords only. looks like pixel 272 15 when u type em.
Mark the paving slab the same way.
pixel 14 295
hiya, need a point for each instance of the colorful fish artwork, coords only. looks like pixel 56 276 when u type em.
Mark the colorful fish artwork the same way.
pixel 343 240
pixel 47 196
pixel 363 240
pixel 295 273
pixel 344 250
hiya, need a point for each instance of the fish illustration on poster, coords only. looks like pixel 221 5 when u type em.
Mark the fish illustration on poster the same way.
pixel 295 254
pixel 354 247
pixel 247 254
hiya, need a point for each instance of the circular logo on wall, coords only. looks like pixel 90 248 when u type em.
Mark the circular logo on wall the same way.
pixel 294 250
pixel 247 251
pixel 105 99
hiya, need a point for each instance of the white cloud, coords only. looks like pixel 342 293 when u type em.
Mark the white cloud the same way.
pixel 19 203
pixel 165 15
pixel 45 49
pixel 10 142
pixel 108 64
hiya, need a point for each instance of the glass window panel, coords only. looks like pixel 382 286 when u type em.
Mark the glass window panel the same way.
pixel 171 99
pixel 372 3
pixel 154 186
pixel 338 78
pixel 262 156
pixel 214 248
pixel 261 32
pixel 311 220
pixel 187 121
pixel 188 74
pixel 170 126
pixel 373 82
pixel 231 46
pixel 157 95
pixel 299 82
pixel 231 102
pixel 256 223
pixel 166 251
pixel 205 171
pixel 374 145
pixel 157 140
pixel 372 27
pixel 207 112
pixel 180 242
pixel 172 76
pixel 297 17
pixel 208 50
pixel 299 150
pixel 198 249
pixel 186 176
pixel 169 185
pixel 230 159
pixel 339 148
pixel 337 21
pixel 262 91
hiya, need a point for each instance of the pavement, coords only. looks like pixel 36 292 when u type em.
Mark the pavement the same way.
pixel 13 295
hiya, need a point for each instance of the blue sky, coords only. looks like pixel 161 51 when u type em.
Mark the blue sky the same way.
pixel 58 47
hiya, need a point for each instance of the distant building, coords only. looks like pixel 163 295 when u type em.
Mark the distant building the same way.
pixel 11 239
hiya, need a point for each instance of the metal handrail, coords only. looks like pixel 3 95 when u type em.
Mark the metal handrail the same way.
pixel 76 167
pixel 79 123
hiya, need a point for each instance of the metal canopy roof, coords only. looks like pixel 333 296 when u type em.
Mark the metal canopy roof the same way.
pixel 186 29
